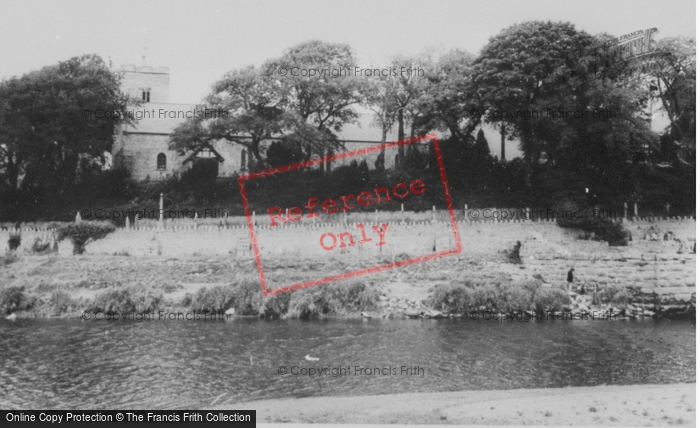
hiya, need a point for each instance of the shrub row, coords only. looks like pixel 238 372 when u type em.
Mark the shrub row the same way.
pixel 247 298
pixel 506 298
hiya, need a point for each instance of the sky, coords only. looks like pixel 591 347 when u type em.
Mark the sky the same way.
pixel 201 41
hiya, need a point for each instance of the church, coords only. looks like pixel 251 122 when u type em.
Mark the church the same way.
pixel 143 148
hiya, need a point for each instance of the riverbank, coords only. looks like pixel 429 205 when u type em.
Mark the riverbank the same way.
pixel 651 277
pixel 460 286
pixel 629 405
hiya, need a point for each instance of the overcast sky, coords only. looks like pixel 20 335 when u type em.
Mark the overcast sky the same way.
pixel 200 41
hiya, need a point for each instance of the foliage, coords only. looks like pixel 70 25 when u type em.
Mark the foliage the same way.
pixel 282 153
pixel 14 241
pixel 603 228
pixel 526 71
pixel 448 98
pixel 14 299
pixel 322 101
pixel 40 246
pixel 520 78
pixel 332 299
pixel 127 300
pixel 217 299
pixel 504 298
pixel 61 302
pixel 84 232
pixel 622 298
pixel 674 79
pixel 45 137
pixel 248 107
pixel 248 297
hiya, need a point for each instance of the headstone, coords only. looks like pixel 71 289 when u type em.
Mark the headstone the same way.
pixel 78 218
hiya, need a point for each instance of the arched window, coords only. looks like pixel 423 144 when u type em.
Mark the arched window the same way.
pixel 148 96
pixel 143 95
pixel 161 162
pixel 244 161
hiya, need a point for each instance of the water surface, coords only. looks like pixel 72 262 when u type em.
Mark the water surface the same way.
pixel 188 364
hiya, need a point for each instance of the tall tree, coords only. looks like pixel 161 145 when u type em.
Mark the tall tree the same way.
pixel 449 99
pixel 53 123
pixel 247 107
pixel 321 87
pixel 409 82
pixel 518 76
pixel 674 79
pixel 381 99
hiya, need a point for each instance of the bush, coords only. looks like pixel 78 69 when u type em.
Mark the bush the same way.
pixel 453 298
pixel 275 306
pixel 304 304
pixel 61 302
pixel 84 232
pixel 607 293
pixel 14 242
pixel 509 298
pixel 332 299
pixel 216 299
pixel 551 299
pixel 127 300
pixel 247 297
pixel 604 229
pixel 622 298
pixel 13 299
pixel 39 246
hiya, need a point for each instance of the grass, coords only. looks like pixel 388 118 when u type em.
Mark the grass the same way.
pixel 247 298
pixel 9 258
pixel 505 298
pixel 127 300
pixel 333 299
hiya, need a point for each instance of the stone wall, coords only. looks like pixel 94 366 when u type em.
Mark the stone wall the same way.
pixel 143 149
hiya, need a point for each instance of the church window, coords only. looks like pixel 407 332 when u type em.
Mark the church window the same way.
pixel 244 161
pixel 161 161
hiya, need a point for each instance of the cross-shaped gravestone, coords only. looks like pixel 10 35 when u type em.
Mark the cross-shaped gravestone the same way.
pixel 668 207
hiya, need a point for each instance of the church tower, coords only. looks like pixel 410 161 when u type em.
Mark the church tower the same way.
pixel 148 84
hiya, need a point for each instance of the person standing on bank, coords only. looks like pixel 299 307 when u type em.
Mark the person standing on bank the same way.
pixel 570 278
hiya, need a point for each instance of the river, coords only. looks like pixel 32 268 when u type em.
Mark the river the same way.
pixel 60 363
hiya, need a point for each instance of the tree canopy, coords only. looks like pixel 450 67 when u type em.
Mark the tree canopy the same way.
pixel 50 131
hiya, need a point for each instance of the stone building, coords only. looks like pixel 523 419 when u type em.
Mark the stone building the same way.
pixel 143 148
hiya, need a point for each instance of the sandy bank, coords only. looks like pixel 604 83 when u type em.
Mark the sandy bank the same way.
pixel 638 405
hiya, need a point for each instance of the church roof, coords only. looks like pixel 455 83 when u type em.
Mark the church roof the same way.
pixel 163 118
